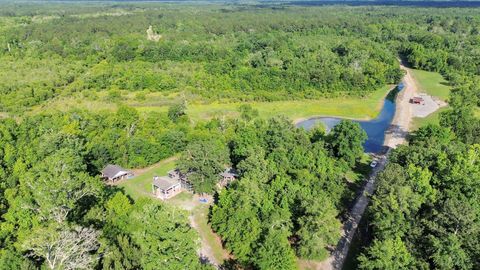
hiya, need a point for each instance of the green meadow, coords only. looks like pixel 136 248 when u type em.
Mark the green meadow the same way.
pixel 355 107
pixel 349 107
pixel 431 83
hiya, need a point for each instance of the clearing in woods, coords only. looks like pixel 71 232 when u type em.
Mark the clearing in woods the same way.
pixel 141 186
pixel 435 85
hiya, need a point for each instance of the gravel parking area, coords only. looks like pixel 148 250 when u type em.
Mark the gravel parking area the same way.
pixel 429 106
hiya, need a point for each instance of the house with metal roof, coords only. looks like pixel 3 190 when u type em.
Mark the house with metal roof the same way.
pixel 114 173
pixel 165 187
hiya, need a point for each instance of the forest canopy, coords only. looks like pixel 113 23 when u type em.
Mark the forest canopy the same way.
pixel 231 53
pixel 74 80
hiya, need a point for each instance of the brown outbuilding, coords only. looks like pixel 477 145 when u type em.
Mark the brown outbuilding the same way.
pixel 114 173
pixel 165 187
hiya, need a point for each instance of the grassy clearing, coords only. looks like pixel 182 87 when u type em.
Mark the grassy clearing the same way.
pixel 433 118
pixel 141 186
pixel 435 85
pixel 181 199
pixel 349 107
pixel 431 83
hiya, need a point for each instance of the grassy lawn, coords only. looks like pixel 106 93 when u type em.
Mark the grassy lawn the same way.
pixel 433 118
pixel 141 186
pixel 350 107
pixel 431 83
pixel 181 199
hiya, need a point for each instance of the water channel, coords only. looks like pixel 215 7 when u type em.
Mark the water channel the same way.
pixel 374 128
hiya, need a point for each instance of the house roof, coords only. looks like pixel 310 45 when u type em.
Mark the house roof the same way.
pixel 175 173
pixel 112 171
pixel 165 182
pixel 229 172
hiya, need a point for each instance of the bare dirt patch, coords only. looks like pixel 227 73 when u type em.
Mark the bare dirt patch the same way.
pixel 152 36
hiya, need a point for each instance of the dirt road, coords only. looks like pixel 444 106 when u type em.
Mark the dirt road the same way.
pixel 400 125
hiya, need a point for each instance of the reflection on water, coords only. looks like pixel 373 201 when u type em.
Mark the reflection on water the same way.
pixel 375 128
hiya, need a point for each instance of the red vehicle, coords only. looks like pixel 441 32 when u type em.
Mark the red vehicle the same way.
pixel 417 100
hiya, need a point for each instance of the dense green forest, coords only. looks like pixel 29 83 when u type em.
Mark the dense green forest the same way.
pixel 219 52
pixel 214 53
pixel 291 193
pixel 295 186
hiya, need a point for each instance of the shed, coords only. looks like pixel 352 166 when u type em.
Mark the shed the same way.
pixel 165 187
pixel 114 173
pixel 229 175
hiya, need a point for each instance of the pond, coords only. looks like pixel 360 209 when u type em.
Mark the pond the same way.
pixel 374 128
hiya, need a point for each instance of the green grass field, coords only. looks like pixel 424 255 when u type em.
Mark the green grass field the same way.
pixel 431 83
pixel 362 108
pixel 349 107
pixel 433 118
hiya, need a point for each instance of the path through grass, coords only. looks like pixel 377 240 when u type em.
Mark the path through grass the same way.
pixel 213 241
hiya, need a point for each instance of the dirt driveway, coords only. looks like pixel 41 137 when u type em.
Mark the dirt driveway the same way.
pixel 400 125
